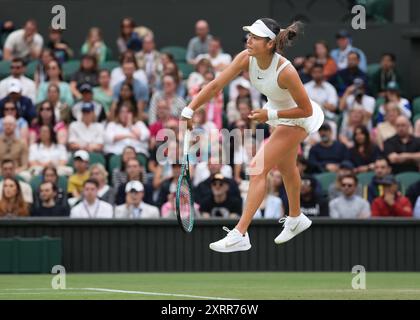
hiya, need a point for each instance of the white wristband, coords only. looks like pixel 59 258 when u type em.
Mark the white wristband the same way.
pixel 272 114
pixel 187 113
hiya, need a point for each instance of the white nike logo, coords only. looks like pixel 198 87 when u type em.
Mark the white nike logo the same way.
pixel 228 245
pixel 293 230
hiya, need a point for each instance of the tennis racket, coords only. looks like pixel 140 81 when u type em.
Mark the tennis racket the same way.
pixel 184 199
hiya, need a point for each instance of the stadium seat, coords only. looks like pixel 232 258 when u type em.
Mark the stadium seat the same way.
pixel 94 157
pixel 179 53
pixel 416 106
pixel 325 179
pixel 109 65
pixel 69 68
pixel 365 177
pixel 30 68
pixel 115 162
pixel 36 181
pixel 406 179
pixel 4 69
pixel 186 69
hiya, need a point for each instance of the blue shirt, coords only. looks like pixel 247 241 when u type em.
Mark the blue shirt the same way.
pixel 320 156
pixel 24 105
pixel 141 90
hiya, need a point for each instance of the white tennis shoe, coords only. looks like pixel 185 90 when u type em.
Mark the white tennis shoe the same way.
pixel 292 227
pixel 234 241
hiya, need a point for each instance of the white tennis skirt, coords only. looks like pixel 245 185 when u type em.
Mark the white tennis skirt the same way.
pixel 310 124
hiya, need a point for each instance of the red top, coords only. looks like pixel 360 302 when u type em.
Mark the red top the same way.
pixel 401 208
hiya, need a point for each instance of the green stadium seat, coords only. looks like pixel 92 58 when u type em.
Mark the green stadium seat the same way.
pixel 31 68
pixel 415 118
pixel 179 53
pixel 94 157
pixel 365 177
pixel 69 68
pixel 186 69
pixel 325 179
pixel 416 106
pixel 4 69
pixel 406 179
pixel 36 181
pixel 109 65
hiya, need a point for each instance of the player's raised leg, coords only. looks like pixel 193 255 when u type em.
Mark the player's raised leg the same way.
pixel 282 142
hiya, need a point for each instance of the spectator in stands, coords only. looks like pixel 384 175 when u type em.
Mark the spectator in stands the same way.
pixel 311 203
pixel 355 118
pixel 149 60
pixel 48 206
pixel 388 128
pixel 8 170
pixel 135 171
pixel 196 78
pixel 204 170
pixel 327 154
pixel 47 151
pixel 87 74
pixel 46 117
pixel 40 74
pixel 117 74
pixel 393 94
pixel 392 203
pixel 105 192
pixel 119 174
pixel 11 147
pixel 341 54
pixel 234 90
pixel 271 206
pixel 305 170
pixel 168 208
pixel 413 194
pixel 163 189
pixel 49 174
pixel 349 205
pixel 127 98
pixel 322 55
pixel 140 89
pixel 200 43
pixel 95 46
pixel 6 28
pixel 219 204
pixel 345 77
pixel 87 102
pixel 62 111
pixel 60 48
pixel 55 76
pixel 364 153
pixel 134 207
pixel 12 203
pixel 76 181
pixel 91 207
pixel 24 104
pixel 171 69
pixel 169 94
pixel 385 74
pixel 355 96
pixel 306 70
pixel 124 131
pixel 201 124
pixel 214 108
pixel 21 131
pixel 335 190
pixel 233 108
pixel 219 60
pixel 324 94
pixel 103 93
pixel 86 134
pixel 375 188
pixel 403 149
pixel 24 43
pixel 128 39
pixel 17 72
pixel 163 115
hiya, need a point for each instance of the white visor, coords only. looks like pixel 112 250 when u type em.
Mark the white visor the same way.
pixel 260 29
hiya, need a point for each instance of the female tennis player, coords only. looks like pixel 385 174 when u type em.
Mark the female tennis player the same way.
pixel 288 109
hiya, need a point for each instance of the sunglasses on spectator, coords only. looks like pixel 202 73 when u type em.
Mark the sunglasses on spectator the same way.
pixel 347 185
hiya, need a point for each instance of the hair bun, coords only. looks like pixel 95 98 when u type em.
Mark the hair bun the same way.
pixel 291 34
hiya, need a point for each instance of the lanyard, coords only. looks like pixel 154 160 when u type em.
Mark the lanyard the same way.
pixel 96 209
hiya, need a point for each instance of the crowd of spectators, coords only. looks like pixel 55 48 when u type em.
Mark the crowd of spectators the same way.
pixel 86 144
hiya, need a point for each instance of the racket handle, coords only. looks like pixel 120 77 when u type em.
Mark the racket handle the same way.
pixel 187 141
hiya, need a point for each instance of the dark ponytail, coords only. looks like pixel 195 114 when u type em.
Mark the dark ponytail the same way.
pixel 285 36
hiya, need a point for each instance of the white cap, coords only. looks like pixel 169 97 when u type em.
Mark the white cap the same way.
pixel 15 86
pixel 134 185
pixel 260 29
pixel 82 154
pixel 244 84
